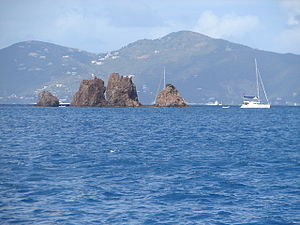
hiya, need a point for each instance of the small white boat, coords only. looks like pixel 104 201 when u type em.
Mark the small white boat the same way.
pixel 64 104
pixel 214 103
pixel 253 101
pixel 226 107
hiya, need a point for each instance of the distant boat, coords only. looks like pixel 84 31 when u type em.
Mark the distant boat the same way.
pixel 253 101
pixel 226 107
pixel 214 103
pixel 64 104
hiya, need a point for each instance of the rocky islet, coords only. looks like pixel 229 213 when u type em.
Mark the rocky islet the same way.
pixel 169 97
pixel 46 99
pixel 90 93
pixel 120 92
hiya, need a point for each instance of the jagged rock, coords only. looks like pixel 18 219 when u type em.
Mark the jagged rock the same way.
pixel 91 93
pixel 169 97
pixel 46 99
pixel 121 91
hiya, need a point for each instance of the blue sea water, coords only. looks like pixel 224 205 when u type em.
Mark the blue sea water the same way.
pixel 197 165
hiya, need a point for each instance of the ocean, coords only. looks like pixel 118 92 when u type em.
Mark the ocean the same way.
pixel 197 165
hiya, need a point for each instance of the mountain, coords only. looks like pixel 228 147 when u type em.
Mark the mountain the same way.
pixel 29 67
pixel 203 69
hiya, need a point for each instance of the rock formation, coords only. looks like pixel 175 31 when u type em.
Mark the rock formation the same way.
pixel 121 91
pixel 169 97
pixel 46 99
pixel 91 93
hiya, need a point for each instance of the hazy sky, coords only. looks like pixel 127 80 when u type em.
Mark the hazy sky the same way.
pixel 104 25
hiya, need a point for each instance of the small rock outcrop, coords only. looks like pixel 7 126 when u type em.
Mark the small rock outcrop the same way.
pixel 169 97
pixel 46 99
pixel 121 91
pixel 91 93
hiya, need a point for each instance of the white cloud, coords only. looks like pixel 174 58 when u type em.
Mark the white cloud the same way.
pixel 229 25
pixel 289 38
pixel 293 9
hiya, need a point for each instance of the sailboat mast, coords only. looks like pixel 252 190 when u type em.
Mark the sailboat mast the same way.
pixel 160 80
pixel 164 77
pixel 257 84
pixel 263 86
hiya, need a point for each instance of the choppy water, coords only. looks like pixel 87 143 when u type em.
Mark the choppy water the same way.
pixel 199 165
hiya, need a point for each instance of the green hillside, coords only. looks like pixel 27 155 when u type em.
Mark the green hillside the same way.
pixel 202 68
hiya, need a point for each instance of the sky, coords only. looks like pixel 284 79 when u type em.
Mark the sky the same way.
pixel 105 25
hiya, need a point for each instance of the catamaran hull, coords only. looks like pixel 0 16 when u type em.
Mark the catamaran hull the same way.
pixel 255 106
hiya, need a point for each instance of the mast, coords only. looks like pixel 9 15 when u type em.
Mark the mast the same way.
pixel 263 86
pixel 164 77
pixel 257 84
pixel 160 80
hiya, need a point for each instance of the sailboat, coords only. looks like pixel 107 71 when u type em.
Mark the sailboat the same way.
pixel 253 102
pixel 159 86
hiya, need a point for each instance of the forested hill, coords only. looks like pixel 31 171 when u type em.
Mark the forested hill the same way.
pixel 203 69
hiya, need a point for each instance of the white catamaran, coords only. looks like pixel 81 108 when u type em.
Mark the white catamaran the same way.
pixel 253 102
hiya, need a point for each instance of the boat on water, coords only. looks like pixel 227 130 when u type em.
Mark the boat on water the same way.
pixel 63 104
pixel 225 107
pixel 214 103
pixel 253 101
